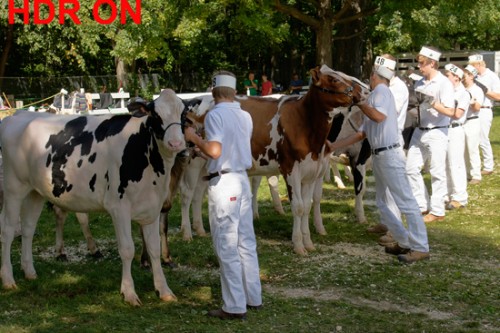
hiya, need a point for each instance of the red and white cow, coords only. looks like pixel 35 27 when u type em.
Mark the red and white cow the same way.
pixel 119 164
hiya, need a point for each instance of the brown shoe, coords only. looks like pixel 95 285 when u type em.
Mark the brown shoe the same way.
pixel 474 182
pixel 387 240
pixel 486 172
pixel 432 218
pixel 413 256
pixel 396 250
pixel 255 307
pixel 454 205
pixel 425 212
pixel 378 229
pixel 223 315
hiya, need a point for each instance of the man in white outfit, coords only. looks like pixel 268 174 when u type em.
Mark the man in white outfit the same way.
pixel 400 92
pixel 455 161
pixel 228 131
pixel 429 142
pixel 381 129
pixel 472 126
pixel 490 83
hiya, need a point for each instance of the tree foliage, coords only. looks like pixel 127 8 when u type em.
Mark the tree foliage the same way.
pixel 187 40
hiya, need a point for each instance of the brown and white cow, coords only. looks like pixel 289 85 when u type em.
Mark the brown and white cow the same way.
pixel 119 164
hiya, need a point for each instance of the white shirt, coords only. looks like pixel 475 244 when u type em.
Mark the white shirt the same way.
pixel 385 133
pixel 229 125
pixel 401 94
pixel 439 89
pixel 462 98
pixel 477 94
pixel 492 82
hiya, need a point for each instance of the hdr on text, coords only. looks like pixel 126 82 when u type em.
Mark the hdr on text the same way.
pixel 68 9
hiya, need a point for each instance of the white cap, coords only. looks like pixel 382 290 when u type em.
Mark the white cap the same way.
pixel 455 70
pixel 224 80
pixel 384 72
pixel 429 53
pixel 31 108
pixel 381 61
pixel 471 69
pixel 475 58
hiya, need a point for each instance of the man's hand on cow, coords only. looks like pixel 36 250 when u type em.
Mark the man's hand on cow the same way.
pixel 190 134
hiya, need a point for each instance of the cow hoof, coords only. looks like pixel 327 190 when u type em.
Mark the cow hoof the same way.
pixel 300 251
pixel 62 257
pixel 187 238
pixel 310 248
pixel 30 277
pixel 169 298
pixel 132 300
pixel 97 255
pixel 169 264
pixel 10 286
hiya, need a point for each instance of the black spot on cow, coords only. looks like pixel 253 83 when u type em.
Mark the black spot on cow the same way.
pixel 79 164
pixel 92 158
pixel 111 127
pixel 49 159
pixel 337 122
pixel 364 154
pixel 92 182
pixel 264 162
pixel 62 146
pixel 140 151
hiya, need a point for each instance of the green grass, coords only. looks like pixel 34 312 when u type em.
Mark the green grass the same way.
pixel 348 285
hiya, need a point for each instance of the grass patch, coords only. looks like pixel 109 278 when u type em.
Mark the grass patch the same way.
pixel 348 285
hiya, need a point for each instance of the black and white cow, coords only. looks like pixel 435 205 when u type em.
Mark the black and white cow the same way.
pixel 119 164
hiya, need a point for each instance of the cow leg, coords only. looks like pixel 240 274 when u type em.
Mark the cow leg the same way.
pixel 348 173
pixel 61 216
pixel 187 193
pixel 9 221
pixel 166 258
pixel 30 212
pixel 307 196
pixel 273 182
pixel 360 189
pixel 337 178
pixel 317 195
pixel 152 239
pixel 196 207
pixel 83 219
pixel 123 230
pixel 255 180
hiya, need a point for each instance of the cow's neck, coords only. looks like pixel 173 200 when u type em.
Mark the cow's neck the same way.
pixel 318 114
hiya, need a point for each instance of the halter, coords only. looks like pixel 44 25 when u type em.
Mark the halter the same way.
pixel 347 92
pixel 182 124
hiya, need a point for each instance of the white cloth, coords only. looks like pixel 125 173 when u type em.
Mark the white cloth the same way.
pixel 392 187
pixel 401 96
pixel 472 129
pixel 430 146
pixel 230 207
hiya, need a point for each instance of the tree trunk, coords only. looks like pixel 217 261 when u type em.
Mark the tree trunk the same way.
pixel 121 73
pixel 324 42
pixel 6 50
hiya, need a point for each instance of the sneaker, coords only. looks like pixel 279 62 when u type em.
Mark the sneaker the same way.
pixel 486 172
pixel 387 240
pixel 454 205
pixel 474 182
pixel 413 256
pixel 223 315
pixel 432 218
pixel 396 250
pixel 378 229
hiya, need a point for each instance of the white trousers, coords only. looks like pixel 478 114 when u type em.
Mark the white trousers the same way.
pixel 455 166
pixel 428 147
pixel 231 226
pixel 485 119
pixel 392 187
pixel 472 129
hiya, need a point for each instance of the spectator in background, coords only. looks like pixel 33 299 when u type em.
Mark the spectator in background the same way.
pixel 251 84
pixel 490 83
pixel 296 84
pixel 267 86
